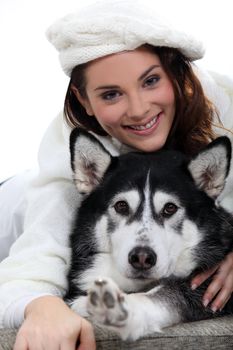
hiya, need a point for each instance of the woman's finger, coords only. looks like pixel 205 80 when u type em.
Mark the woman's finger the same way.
pixel 220 301
pixel 87 337
pixel 224 304
pixel 202 277
pixel 20 343
pixel 222 284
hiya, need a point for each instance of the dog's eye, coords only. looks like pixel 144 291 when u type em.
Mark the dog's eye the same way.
pixel 169 209
pixel 121 207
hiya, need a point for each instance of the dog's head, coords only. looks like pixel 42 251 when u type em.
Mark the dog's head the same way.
pixel 154 213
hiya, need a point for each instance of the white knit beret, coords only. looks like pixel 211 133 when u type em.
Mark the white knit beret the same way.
pixel 111 26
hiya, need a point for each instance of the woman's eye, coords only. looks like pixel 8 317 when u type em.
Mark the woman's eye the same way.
pixel 169 209
pixel 151 81
pixel 110 95
pixel 122 207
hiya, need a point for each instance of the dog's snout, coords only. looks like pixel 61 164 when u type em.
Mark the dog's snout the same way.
pixel 142 258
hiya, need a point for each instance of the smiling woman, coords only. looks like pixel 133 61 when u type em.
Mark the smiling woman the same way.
pixel 131 97
pixel 134 96
pixel 26 14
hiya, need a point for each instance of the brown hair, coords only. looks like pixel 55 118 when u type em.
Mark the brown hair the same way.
pixel 192 126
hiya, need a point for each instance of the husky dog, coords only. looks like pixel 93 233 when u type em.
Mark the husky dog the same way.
pixel 147 224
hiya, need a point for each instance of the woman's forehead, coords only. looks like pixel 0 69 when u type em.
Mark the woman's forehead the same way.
pixel 125 64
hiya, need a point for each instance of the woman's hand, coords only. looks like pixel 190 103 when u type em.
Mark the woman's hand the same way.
pixel 221 287
pixel 51 324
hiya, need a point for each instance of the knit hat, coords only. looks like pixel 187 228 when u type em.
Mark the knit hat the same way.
pixel 111 26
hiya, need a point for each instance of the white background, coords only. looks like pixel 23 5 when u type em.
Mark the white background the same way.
pixel 32 85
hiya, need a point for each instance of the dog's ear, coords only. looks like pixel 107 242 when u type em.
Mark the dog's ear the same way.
pixel 89 160
pixel 210 167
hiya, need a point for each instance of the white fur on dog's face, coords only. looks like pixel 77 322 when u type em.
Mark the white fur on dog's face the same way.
pixel 172 239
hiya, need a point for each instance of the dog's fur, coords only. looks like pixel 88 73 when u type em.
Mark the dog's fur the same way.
pixel 147 224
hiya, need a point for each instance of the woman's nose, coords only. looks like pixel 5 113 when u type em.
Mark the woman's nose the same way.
pixel 137 106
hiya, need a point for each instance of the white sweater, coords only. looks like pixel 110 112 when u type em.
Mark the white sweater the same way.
pixel 39 259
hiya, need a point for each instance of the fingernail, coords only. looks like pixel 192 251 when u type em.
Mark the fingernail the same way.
pixel 206 302
pixel 193 286
pixel 214 308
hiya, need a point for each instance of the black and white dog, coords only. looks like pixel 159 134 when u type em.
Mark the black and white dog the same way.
pixel 148 223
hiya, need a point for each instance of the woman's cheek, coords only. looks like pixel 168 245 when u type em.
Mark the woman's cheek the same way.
pixel 108 116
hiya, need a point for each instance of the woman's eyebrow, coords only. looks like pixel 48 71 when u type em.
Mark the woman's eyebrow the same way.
pixel 144 74
pixel 148 71
pixel 106 87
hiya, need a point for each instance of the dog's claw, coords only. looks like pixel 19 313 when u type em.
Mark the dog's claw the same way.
pixel 100 282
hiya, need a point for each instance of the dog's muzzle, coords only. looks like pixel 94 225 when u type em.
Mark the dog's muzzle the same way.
pixel 142 258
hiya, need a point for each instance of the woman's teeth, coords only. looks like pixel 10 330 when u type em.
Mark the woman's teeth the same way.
pixel 144 127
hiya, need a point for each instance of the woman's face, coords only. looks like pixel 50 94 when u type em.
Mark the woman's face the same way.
pixel 132 98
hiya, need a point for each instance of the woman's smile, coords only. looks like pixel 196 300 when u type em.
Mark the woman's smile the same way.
pixel 145 128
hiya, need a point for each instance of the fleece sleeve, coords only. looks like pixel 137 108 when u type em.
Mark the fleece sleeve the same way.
pixel 222 97
pixel 219 90
pixel 38 260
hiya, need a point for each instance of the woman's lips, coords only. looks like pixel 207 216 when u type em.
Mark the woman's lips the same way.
pixel 146 128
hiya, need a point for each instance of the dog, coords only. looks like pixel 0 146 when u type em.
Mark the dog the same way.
pixel 147 224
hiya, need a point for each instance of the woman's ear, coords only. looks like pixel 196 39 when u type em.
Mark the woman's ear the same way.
pixel 84 101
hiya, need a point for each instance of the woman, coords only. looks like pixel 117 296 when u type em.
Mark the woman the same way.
pixel 133 84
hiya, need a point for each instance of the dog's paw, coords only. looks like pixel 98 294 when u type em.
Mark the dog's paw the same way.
pixel 106 303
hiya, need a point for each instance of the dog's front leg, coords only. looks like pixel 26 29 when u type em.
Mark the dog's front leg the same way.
pixel 79 305
pixel 129 315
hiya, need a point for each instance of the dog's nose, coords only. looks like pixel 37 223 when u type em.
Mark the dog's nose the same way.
pixel 142 258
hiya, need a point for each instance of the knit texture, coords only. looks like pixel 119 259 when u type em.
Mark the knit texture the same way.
pixel 111 26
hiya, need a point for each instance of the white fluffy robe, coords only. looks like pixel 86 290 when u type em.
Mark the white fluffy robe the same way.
pixel 39 259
